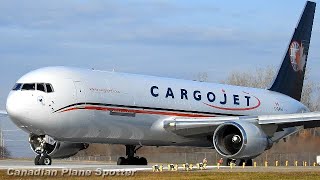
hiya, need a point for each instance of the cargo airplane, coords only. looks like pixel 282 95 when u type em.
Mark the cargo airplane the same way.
pixel 65 109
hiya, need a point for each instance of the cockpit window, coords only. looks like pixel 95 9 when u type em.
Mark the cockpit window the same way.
pixel 49 88
pixel 17 87
pixel 40 87
pixel 44 87
pixel 29 86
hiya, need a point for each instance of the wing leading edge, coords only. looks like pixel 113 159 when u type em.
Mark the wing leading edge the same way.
pixel 192 126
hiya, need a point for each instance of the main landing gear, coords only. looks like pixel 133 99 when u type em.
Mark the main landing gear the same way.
pixel 237 162
pixel 131 159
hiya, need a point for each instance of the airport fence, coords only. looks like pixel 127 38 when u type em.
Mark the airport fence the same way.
pixel 156 158
pixel 212 157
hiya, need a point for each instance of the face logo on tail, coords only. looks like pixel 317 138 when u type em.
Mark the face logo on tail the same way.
pixel 297 56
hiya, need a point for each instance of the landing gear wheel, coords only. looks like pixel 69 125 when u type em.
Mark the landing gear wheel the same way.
pixel 131 158
pixel 249 162
pixel 143 161
pixel 239 162
pixel 37 159
pixel 121 161
pixel 227 162
pixel 45 160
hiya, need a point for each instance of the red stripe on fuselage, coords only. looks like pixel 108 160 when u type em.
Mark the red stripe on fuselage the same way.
pixel 137 111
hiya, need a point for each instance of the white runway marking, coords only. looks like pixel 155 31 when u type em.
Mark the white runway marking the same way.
pixel 84 165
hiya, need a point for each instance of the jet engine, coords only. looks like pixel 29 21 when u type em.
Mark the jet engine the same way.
pixel 54 148
pixel 240 140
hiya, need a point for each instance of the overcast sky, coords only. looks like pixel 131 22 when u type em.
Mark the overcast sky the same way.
pixel 166 38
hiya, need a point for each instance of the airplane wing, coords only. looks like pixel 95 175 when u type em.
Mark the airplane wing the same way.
pixel 308 120
pixel 3 113
pixel 206 126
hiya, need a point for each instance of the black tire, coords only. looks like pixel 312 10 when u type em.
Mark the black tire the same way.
pixel 249 162
pixel 143 161
pixel 121 161
pixel 37 159
pixel 239 162
pixel 45 160
pixel 226 162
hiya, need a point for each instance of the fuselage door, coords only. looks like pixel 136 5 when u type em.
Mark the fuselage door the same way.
pixel 80 91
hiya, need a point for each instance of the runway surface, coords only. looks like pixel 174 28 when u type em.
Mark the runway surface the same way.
pixel 83 165
pixel 88 165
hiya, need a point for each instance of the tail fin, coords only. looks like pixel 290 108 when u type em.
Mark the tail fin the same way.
pixel 289 80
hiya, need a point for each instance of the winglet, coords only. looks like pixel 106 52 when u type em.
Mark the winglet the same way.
pixel 289 80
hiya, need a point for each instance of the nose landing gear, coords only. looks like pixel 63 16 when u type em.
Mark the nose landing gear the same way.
pixel 42 145
pixel 42 159
pixel 131 159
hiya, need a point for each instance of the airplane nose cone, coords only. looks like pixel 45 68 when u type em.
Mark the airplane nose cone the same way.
pixel 23 110
pixel 16 109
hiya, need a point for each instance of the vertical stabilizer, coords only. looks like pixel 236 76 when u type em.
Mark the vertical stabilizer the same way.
pixel 289 80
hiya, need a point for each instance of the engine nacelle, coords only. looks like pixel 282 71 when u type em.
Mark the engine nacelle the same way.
pixel 240 140
pixel 54 148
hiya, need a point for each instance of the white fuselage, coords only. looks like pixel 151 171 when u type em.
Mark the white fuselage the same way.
pixel 109 107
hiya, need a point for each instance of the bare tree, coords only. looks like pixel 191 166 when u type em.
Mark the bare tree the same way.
pixel 4 153
pixel 260 78
pixel 316 99
pixel 263 77
pixel 202 77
